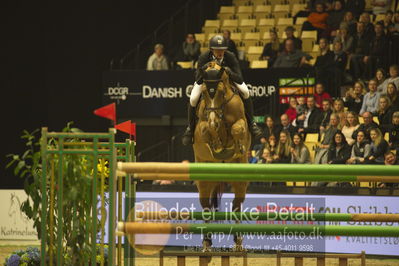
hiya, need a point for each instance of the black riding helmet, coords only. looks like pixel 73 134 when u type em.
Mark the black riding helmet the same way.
pixel 217 42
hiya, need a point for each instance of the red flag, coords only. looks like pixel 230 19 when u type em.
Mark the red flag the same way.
pixel 108 111
pixel 125 127
pixel 133 129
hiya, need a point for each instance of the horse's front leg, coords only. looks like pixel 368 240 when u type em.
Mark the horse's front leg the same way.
pixel 238 131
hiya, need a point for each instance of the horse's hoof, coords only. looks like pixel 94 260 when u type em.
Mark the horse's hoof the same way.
pixel 238 248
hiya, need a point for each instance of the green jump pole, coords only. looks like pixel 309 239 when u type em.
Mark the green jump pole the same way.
pixel 268 216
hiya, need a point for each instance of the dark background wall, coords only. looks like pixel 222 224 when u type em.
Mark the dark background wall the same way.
pixel 53 57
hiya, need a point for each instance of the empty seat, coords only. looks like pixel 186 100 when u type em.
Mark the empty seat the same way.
pixel 254 53
pixel 241 2
pixel 247 25
pixel 281 11
pixel 251 39
pixel 245 9
pixel 211 26
pixel 226 12
pixel 308 40
pixel 230 24
pixel 265 24
pixel 262 11
pixel 236 36
pixel 258 64
pixel 296 8
pixel 201 38
pixel 312 137
pixel 282 23
pixel 184 64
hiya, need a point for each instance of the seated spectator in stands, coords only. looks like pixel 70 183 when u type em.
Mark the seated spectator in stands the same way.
pixel 270 127
pixel 393 95
pixel 368 26
pixel 349 23
pixel 272 144
pixel 231 45
pixel 339 109
pixel 378 52
pixel 283 148
pixel 384 113
pixel 251 159
pixel 355 6
pixel 260 146
pixel 299 152
pixel 191 49
pixel 286 125
pixel 394 132
pixel 396 20
pixel 390 159
pixel 380 76
pixel 320 95
pixel 340 57
pixel 361 149
pixel 378 147
pixel 322 149
pixel 335 17
pixel 370 100
pixel 351 125
pixel 380 6
pixel 311 119
pixel 291 57
pixel 291 111
pixel 158 61
pixel 326 113
pixel 393 77
pixel 301 110
pixel 339 151
pixel 271 49
pixel 325 64
pixel 347 40
pixel 353 99
pixel 367 125
pixel 361 49
pixel 317 20
pixel 266 156
pixel 388 19
pixel 289 31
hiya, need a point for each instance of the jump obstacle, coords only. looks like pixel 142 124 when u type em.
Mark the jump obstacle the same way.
pixel 102 145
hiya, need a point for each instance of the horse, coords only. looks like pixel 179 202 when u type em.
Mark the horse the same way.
pixel 221 135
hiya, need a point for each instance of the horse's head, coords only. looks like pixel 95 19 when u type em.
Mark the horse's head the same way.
pixel 214 91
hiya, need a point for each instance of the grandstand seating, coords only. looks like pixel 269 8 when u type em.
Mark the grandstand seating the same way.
pixel 259 64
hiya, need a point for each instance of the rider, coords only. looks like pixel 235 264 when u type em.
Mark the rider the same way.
pixel 218 52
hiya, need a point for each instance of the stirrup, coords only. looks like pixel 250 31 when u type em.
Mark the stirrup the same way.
pixel 255 130
pixel 187 137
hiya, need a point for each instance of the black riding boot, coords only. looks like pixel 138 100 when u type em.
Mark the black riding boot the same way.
pixel 187 138
pixel 249 113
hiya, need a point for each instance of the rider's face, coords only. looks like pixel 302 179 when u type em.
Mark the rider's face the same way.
pixel 218 53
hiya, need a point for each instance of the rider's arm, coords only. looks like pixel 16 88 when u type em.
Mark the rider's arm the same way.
pixel 202 60
pixel 235 73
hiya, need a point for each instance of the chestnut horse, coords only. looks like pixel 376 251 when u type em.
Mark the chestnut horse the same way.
pixel 221 135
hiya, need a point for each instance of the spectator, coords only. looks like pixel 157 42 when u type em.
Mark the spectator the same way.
pixel 370 100
pixel 394 132
pixel 263 142
pixel 322 149
pixel 289 32
pixel 299 152
pixel 353 99
pixel 339 151
pixel 348 42
pixel 390 159
pixel 301 110
pixel 311 119
pixel 368 26
pixel 251 159
pixel 361 149
pixel 266 156
pixel 286 125
pixel 231 45
pixel 378 147
pixel 320 95
pixel 340 61
pixel 392 93
pixel 283 148
pixel 355 6
pixel 327 111
pixel 378 52
pixel 317 20
pixel 396 20
pixel 325 64
pixel 393 77
pixel 351 125
pixel 380 76
pixel 158 61
pixel 291 57
pixel 361 49
pixel 387 21
pixel 270 127
pixel 272 145
pixel 339 109
pixel 367 125
pixel 291 111
pixel 191 48
pixel 349 23
pixel 271 49
pixel 380 6
pixel 384 112
pixel 335 17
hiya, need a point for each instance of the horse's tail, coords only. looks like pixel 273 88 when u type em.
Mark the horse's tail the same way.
pixel 217 197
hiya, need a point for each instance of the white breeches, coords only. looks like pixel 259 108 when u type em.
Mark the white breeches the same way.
pixel 196 92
